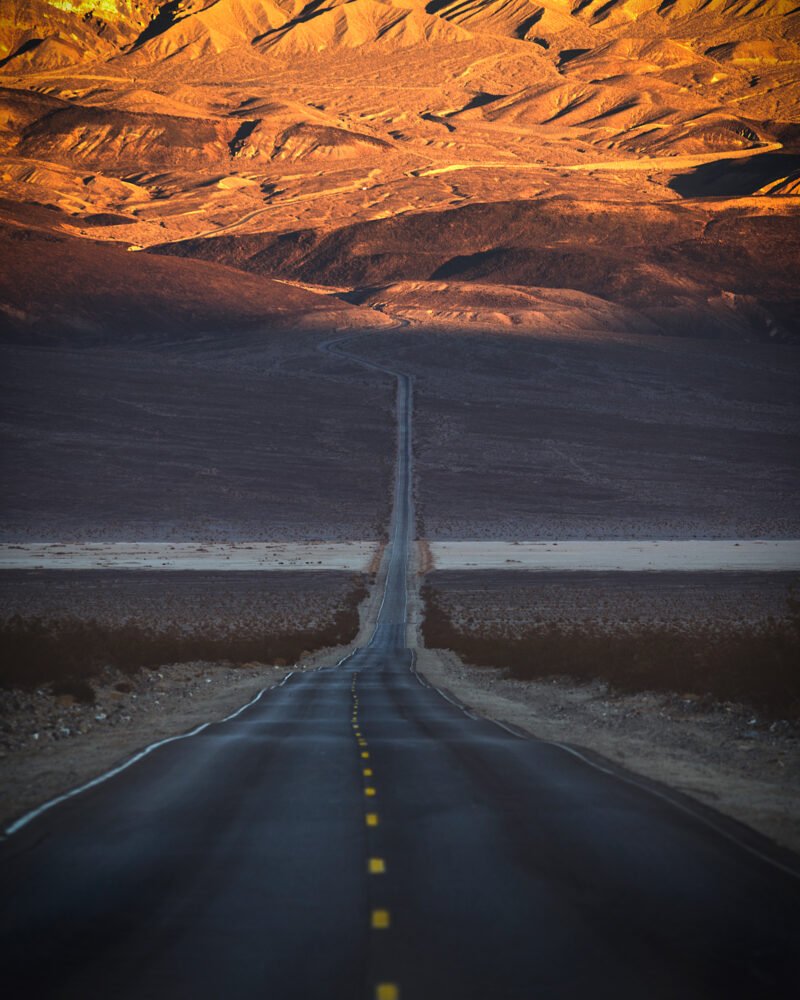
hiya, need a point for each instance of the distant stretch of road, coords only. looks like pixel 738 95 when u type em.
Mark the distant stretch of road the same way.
pixel 353 834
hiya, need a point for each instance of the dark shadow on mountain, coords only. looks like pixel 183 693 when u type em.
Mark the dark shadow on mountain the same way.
pixel 436 5
pixel 165 18
pixel 243 133
pixel 29 46
pixel 437 120
pixel 525 26
pixel 567 55
pixel 735 178
pixel 479 100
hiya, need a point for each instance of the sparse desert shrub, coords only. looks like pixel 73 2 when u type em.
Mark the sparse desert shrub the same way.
pixel 67 651
pixel 757 665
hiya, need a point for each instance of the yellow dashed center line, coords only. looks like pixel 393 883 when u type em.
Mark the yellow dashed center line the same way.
pixel 380 918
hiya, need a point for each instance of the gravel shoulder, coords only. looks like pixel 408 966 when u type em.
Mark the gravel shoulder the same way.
pixel 717 757
pixel 52 744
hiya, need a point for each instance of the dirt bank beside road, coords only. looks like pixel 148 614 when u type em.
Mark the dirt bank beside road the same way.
pixel 717 756
pixel 51 743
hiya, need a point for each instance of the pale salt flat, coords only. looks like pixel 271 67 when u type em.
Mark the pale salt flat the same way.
pixel 633 556
pixel 264 556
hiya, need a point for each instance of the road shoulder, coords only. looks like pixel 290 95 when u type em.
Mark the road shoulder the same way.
pixel 743 770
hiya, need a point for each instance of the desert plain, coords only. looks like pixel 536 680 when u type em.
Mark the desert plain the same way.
pixel 574 223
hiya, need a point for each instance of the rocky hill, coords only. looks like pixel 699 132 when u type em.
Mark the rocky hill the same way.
pixel 643 151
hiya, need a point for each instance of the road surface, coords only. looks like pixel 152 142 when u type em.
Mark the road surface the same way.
pixel 352 834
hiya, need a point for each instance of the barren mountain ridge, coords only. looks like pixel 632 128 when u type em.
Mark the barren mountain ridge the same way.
pixel 465 155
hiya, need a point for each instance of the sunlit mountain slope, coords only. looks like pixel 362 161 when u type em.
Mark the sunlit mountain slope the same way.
pixel 165 125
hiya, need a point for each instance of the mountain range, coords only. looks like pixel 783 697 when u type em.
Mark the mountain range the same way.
pixel 645 153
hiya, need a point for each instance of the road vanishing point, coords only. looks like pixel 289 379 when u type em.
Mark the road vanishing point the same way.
pixel 354 835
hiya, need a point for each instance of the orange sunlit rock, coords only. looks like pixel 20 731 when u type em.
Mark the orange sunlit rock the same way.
pixel 640 152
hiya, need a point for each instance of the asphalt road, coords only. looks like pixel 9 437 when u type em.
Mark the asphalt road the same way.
pixel 352 834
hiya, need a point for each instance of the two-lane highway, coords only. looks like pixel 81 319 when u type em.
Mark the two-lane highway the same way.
pixel 353 834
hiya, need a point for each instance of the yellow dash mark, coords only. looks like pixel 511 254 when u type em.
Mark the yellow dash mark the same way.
pixel 369 791
pixel 372 819
pixel 367 772
pixel 362 743
pixel 376 866
pixel 365 754
pixel 380 919
pixel 387 991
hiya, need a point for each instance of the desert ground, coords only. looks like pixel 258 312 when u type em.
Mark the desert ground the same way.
pixel 263 556
pixel 509 600
pixel 208 441
pixel 599 435
pixel 187 600
pixel 526 437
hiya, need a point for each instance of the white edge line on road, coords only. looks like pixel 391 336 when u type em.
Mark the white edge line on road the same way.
pixel 457 704
pixel 629 780
pixel 24 820
pixel 240 710
pixel 344 659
